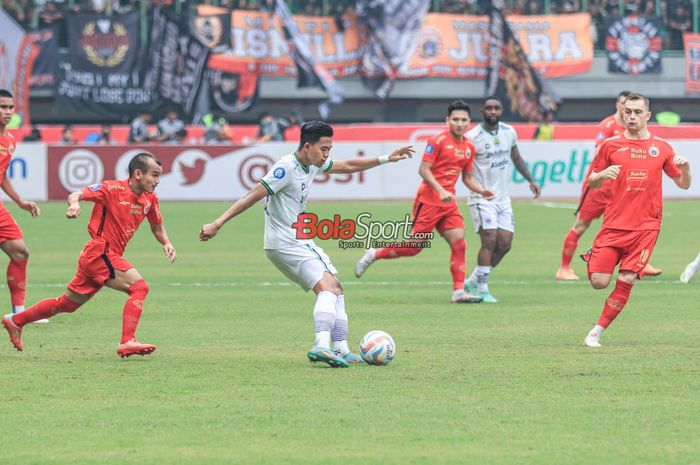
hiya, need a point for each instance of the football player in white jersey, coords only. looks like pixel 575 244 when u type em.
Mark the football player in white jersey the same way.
pixel 285 189
pixel 496 147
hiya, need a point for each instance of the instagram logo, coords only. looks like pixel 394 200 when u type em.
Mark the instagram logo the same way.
pixel 80 168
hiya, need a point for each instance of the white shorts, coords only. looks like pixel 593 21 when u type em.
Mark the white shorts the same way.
pixel 488 215
pixel 303 264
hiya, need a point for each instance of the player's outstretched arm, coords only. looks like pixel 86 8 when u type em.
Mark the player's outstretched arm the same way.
pixel 683 181
pixel 9 189
pixel 472 185
pixel 595 180
pixel 158 230
pixel 74 204
pixel 361 163
pixel 257 193
pixel 522 168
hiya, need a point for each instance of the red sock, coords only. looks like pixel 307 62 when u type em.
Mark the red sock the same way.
pixel 570 244
pixel 458 264
pixel 615 303
pixel 132 309
pixel 17 281
pixel 396 252
pixel 45 309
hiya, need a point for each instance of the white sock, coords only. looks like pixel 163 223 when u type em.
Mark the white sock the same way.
pixel 596 331
pixel 17 308
pixel 695 264
pixel 324 317
pixel 482 278
pixel 472 277
pixel 340 328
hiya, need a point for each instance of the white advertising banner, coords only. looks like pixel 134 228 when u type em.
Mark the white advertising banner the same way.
pixel 228 172
pixel 27 171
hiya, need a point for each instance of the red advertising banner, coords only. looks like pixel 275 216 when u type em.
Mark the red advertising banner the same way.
pixel 691 43
pixel 450 46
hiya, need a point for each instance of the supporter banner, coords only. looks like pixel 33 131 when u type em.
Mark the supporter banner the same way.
pixel 212 26
pixel 232 93
pixel 46 63
pixel 452 46
pixel 633 44
pixel 691 44
pixel 392 28
pixel 27 171
pixel 176 62
pixel 511 78
pixel 102 74
pixel 17 56
pixel 228 172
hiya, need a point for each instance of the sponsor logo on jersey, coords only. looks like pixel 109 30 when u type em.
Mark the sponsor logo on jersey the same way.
pixel 95 187
pixel 279 172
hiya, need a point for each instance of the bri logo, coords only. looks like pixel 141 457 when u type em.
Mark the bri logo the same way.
pixel 365 232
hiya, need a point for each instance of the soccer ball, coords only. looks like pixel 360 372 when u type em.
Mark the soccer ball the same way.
pixel 377 348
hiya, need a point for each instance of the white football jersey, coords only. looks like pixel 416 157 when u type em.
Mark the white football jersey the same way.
pixel 492 163
pixel 287 185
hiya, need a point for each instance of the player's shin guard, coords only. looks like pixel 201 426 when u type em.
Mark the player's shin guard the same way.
pixel 396 252
pixel 324 317
pixel 339 332
pixel 458 264
pixel 569 249
pixel 45 309
pixel 615 303
pixel 17 281
pixel 132 309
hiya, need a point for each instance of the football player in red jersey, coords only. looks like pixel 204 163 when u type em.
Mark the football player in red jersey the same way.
pixel 11 239
pixel 447 156
pixel 592 202
pixel 633 163
pixel 120 207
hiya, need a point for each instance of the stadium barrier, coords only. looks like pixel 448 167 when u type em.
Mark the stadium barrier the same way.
pixel 197 172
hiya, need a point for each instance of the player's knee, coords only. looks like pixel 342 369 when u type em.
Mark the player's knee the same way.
pixel 139 289
pixel 489 243
pixel 459 246
pixel 600 282
pixel 20 255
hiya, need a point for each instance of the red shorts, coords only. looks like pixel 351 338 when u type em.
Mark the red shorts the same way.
pixel 592 203
pixel 429 217
pixel 95 268
pixel 9 229
pixel 631 249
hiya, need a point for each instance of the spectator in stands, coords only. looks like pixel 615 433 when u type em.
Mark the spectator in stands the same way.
pixel 18 10
pixel 272 128
pixel 533 7
pixel 679 21
pixel 67 138
pixel 545 130
pixel 215 130
pixel 180 136
pixel 169 126
pixel 138 132
pixel 100 137
pixel 33 136
pixel 597 24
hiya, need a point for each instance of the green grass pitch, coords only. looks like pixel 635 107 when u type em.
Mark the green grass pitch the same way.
pixel 230 383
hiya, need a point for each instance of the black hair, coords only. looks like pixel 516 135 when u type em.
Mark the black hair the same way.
pixel 312 132
pixel 140 162
pixel 458 105
pixel 491 97
pixel 624 93
pixel 5 93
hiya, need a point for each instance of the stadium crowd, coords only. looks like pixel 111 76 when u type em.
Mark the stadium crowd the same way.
pixel 677 15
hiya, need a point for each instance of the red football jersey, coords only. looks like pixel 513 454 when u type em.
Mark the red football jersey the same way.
pixel 449 158
pixel 118 212
pixel 636 195
pixel 7 150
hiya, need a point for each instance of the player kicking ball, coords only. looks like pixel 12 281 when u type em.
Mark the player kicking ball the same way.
pixel 446 156
pixel 120 207
pixel 634 162
pixel 285 189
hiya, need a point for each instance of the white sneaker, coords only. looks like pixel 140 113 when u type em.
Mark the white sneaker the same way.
pixel 592 341
pixel 364 263
pixel 466 298
pixel 688 273
pixel 43 321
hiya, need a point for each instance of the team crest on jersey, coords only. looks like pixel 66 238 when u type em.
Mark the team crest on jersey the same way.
pixel 95 187
pixel 11 149
pixel 279 173
pixel 654 151
pixel 429 148
pixel 600 136
pixel 468 153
